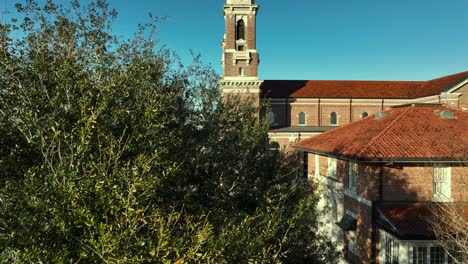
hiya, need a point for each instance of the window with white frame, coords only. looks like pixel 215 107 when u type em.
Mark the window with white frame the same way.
pixel 430 254
pixel 419 255
pixel 441 183
pixel 331 170
pixel 352 176
pixel 392 248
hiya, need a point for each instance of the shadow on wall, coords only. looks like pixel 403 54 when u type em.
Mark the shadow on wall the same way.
pixel 280 88
pixel 390 183
pixel 380 185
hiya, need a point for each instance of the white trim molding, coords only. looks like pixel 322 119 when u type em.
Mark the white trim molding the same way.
pixel 358 198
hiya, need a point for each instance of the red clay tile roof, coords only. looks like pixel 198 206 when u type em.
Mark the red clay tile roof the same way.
pixel 414 132
pixel 411 220
pixel 359 89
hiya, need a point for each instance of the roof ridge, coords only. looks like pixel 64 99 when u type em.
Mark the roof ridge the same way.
pixel 446 76
pixel 384 131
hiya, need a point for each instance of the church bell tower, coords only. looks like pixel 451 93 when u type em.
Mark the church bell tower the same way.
pixel 240 58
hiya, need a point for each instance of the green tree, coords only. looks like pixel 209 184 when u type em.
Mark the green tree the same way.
pixel 112 151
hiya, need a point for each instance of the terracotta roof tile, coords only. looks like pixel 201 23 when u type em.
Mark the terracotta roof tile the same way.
pixel 408 220
pixel 414 132
pixel 359 89
pixel 411 220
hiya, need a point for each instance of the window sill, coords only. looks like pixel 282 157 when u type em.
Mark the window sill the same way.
pixel 441 199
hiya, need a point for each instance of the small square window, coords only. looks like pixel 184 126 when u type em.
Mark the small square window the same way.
pixel 240 48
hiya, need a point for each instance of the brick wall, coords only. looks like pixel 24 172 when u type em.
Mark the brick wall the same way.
pixel 363 228
pixel 463 99
pixel 323 161
pixel 232 70
pixel 316 116
pixel 367 181
pixel 415 183
pixel 357 110
pixel 323 166
pixel 460 184
pixel 251 31
pixel 341 170
pixel 311 112
pixel 230 31
pixel 311 165
pixel 411 183
pixel 341 109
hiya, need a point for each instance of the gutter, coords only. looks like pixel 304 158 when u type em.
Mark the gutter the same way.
pixel 383 160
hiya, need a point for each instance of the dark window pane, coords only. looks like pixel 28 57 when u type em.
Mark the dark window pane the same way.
pixel 240 30
pixel 302 118
pixel 437 255
pixel 333 119
pixel 419 255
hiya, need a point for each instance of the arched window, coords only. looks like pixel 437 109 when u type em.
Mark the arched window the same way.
pixel 333 119
pixel 364 115
pixel 271 118
pixel 302 118
pixel 240 30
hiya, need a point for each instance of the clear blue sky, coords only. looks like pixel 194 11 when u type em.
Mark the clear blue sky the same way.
pixel 322 39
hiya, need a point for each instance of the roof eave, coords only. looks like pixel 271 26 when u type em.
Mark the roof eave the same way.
pixel 382 159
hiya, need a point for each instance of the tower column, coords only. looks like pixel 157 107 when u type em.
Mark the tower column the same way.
pixel 240 57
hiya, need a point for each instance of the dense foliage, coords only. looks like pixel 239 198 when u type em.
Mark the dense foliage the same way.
pixel 111 151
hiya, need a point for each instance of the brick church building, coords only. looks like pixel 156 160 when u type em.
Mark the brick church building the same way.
pixel 298 109
pixel 380 151
pixel 380 176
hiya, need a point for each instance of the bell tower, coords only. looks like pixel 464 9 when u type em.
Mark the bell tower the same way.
pixel 240 58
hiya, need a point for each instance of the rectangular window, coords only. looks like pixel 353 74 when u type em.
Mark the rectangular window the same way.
pixel 352 176
pixel 419 255
pixel 437 255
pixel 241 71
pixel 331 171
pixel 392 251
pixel 240 48
pixel 388 251
pixel 441 183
